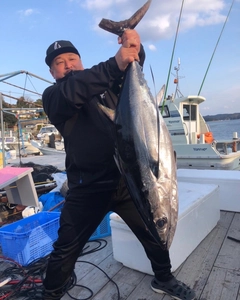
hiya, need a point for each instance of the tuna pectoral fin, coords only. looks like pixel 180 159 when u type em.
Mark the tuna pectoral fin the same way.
pixel 119 27
pixel 110 113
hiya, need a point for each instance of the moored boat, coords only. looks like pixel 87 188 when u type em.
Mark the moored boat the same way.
pixel 193 141
pixel 46 149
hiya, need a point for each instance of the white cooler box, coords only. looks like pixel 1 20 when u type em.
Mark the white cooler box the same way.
pixel 199 213
pixel 227 180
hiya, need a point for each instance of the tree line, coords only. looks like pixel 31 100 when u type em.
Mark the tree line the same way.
pixel 221 117
pixel 11 120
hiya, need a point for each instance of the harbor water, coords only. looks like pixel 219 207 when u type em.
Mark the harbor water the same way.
pixel 224 129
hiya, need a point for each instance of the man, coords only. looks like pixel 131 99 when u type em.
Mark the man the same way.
pixel 95 184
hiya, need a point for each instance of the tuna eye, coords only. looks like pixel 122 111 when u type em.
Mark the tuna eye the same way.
pixel 161 222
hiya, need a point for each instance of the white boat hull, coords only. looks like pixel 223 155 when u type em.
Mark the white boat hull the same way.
pixel 51 151
pixel 205 156
pixel 214 163
pixel 45 150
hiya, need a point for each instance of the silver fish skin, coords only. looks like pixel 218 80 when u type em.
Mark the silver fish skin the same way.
pixel 144 152
pixel 145 157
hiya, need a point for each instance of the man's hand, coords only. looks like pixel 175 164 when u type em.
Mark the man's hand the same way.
pixel 129 50
pixel 130 38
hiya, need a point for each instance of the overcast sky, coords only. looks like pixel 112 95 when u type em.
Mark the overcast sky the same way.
pixel 28 27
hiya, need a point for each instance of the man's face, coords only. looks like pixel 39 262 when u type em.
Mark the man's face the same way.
pixel 65 63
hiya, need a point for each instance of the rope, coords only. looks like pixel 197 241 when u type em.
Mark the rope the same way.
pixel 27 281
pixel 215 48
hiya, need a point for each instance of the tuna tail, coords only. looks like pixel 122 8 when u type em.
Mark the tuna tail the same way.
pixel 119 27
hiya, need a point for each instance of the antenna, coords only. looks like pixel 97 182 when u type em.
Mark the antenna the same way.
pixel 176 81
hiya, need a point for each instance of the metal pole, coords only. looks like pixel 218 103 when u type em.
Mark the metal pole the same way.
pixel 9 75
pixel 2 128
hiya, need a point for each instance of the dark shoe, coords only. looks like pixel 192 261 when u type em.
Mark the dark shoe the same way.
pixel 50 295
pixel 176 289
pixel 57 294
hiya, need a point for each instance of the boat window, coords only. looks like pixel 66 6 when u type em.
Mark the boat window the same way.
pixel 165 111
pixel 47 129
pixel 189 112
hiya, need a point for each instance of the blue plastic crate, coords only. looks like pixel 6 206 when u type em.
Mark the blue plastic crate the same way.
pixel 103 230
pixel 30 238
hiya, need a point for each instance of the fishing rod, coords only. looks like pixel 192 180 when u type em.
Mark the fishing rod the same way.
pixel 175 41
pixel 215 48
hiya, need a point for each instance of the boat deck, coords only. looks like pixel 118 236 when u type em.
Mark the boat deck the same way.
pixel 213 270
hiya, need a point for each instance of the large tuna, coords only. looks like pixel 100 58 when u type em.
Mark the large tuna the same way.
pixel 144 151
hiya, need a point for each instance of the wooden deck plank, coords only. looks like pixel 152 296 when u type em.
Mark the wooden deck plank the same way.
pixel 126 280
pixel 96 279
pixel 90 276
pixel 144 292
pixel 229 256
pixel 196 269
pixel 81 269
pixel 222 285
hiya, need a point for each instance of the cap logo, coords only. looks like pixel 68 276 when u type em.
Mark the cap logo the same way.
pixel 56 46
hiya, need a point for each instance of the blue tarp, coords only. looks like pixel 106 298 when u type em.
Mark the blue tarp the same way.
pixel 51 199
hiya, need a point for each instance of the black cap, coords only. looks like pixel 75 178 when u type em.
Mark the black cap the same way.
pixel 57 48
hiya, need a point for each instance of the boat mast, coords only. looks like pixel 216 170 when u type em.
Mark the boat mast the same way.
pixel 177 93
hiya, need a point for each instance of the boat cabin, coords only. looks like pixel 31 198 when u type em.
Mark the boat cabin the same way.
pixel 183 119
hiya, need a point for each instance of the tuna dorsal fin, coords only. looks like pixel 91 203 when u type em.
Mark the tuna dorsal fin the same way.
pixel 119 27
pixel 160 95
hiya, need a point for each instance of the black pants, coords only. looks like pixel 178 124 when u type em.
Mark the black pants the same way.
pixel 81 214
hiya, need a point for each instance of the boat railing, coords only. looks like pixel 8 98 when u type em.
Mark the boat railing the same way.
pixel 227 146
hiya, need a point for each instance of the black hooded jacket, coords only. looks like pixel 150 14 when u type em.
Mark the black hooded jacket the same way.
pixel 72 106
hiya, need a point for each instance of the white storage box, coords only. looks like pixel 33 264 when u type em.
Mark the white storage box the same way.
pixel 198 214
pixel 227 180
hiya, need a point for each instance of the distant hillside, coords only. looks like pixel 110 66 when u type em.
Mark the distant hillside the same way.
pixel 222 117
